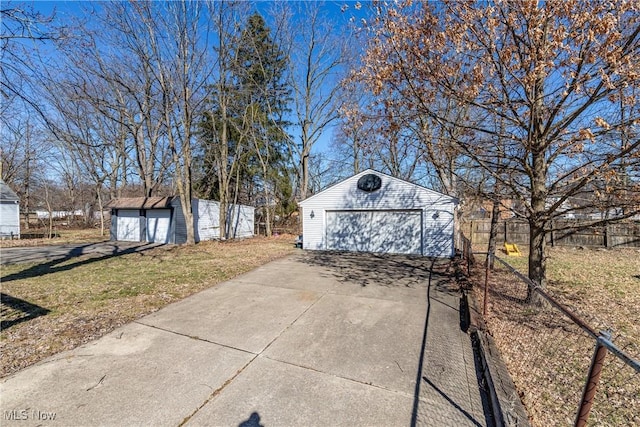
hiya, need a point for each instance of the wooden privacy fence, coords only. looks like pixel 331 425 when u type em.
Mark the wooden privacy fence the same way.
pixel 620 235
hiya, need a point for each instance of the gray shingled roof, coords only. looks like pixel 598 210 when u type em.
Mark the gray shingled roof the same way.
pixel 7 194
pixel 139 203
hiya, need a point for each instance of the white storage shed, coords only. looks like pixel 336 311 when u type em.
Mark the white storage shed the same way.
pixel 160 220
pixel 375 212
pixel 9 212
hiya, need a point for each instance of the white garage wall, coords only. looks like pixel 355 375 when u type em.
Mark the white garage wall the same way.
pixel 241 221
pixel 206 218
pixel 439 230
pixel 10 219
pixel 167 224
pixel 395 194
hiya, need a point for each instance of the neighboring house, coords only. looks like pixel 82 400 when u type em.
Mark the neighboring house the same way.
pixel 43 214
pixel 9 212
pixel 160 220
pixel 374 212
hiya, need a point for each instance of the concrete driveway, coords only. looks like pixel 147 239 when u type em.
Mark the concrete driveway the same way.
pixel 314 339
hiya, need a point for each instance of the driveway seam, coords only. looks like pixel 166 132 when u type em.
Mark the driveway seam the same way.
pixel 217 391
pixel 194 337
pixel 369 384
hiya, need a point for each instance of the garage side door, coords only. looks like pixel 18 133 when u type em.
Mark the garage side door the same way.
pixel 398 232
pixel 128 225
pixel 158 221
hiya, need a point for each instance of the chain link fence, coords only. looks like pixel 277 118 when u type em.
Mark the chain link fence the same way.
pixel 552 353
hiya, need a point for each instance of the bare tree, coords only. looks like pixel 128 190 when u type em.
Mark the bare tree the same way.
pixel 222 138
pixel 112 71
pixel 21 29
pixel 556 73
pixel 178 47
pixel 317 51
pixel 24 155
pixel 356 129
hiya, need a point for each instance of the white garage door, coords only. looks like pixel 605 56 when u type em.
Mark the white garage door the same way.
pixel 397 232
pixel 128 225
pixel 158 221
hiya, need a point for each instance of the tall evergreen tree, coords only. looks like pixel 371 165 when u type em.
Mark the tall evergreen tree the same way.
pixel 265 96
pixel 247 115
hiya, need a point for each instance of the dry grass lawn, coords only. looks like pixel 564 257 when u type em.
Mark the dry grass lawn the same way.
pixel 599 284
pixel 547 355
pixel 81 299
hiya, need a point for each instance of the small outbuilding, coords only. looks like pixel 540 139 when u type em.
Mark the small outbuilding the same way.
pixel 375 212
pixel 9 213
pixel 160 220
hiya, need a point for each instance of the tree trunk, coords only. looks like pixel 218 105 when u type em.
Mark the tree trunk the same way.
pixel 222 223
pixel 100 206
pixel 26 191
pixel 223 174
pixel 537 258
pixel 538 216
pixel 184 191
pixel 493 232
pixel 304 187
pixel 267 207
pixel 49 209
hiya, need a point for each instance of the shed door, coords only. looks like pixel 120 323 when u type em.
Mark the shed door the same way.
pixel 128 225
pixel 158 221
pixel 398 232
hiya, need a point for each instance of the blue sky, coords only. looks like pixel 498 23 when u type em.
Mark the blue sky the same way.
pixel 342 13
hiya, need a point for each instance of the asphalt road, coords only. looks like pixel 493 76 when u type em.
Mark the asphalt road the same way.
pixel 32 254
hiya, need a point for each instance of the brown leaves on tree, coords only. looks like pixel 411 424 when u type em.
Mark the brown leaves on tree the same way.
pixel 549 92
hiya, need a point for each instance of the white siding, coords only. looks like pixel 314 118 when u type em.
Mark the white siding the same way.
pixel 207 219
pixel 394 194
pixel 10 219
pixel 439 230
pixel 240 220
pixel 169 225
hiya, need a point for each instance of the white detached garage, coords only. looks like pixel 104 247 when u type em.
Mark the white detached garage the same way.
pixel 375 212
pixel 160 220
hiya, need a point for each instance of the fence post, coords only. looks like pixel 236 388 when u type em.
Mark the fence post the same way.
pixel 486 284
pixel 592 381
pixel 506 239
pixel 469 258
pixel 471 231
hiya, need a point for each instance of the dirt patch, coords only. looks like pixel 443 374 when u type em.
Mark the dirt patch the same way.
pixel 77 300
